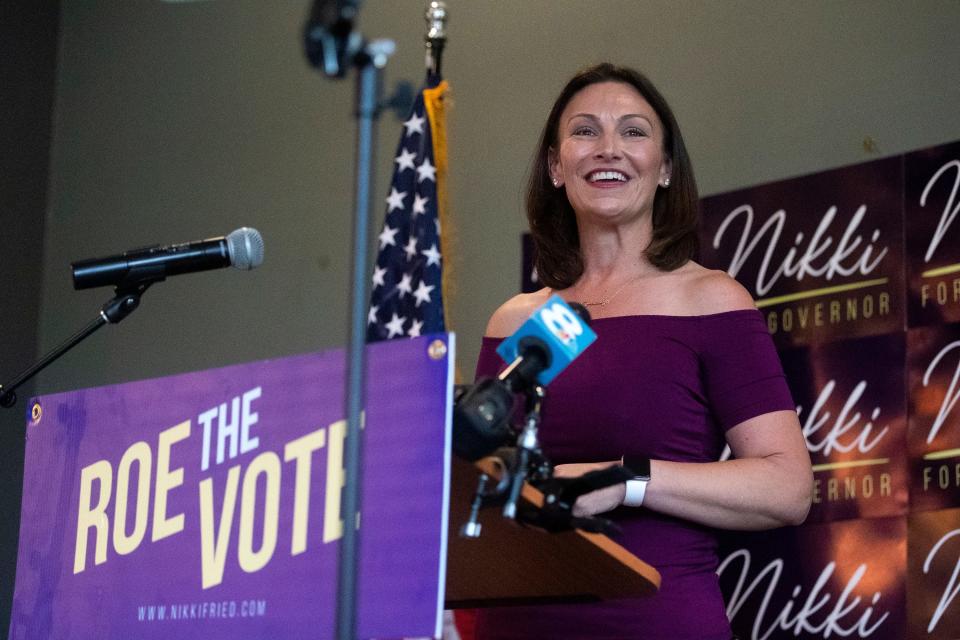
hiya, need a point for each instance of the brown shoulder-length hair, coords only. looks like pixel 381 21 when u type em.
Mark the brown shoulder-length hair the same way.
pixel 552 220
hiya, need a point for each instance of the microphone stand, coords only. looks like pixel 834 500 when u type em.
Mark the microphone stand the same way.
pixel 368 98
pixel 529 455
pixel 334 47
pixel 124 302
pixel 527 463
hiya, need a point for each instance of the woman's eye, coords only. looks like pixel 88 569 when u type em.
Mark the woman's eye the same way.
pixel 583 131
pixel 635 131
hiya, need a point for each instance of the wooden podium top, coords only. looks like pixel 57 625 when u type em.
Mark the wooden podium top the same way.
pixel 513 564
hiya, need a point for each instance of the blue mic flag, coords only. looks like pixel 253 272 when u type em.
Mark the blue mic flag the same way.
pixel 560 328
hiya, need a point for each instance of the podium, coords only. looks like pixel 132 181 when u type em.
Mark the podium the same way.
pixel 513 564
pixel 250 549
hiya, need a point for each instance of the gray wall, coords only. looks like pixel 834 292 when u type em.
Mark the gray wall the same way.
pixel 176 121
pixel 28 47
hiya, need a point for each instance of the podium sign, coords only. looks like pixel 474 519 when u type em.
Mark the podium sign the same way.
pixel 207 505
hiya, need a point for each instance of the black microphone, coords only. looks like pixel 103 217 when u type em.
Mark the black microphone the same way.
pixel 481 415
pixel 242 249
pixel 533 356
pixel 329 38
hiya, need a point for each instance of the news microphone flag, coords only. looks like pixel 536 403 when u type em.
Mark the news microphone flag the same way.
pixel 407 294
pixel 557 325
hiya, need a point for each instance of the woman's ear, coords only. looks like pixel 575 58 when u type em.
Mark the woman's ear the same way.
pixel 666 170
pixel 553 162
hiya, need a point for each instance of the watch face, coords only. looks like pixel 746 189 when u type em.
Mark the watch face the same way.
pixel 639 466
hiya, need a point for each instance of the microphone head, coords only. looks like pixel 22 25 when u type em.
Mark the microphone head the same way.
pixel 245 246
pixel 564 334
pixel 481 419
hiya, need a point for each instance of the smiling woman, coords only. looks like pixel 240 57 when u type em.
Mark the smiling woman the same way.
pixel 682 366
pixel 610 158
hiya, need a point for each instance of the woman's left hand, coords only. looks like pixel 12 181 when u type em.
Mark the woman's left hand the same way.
pixel 595 502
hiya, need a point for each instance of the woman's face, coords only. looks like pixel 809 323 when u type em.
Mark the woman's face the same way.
pixel 609 154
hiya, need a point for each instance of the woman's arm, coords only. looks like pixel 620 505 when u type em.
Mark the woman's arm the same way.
pixel 769 484
pixel 770 481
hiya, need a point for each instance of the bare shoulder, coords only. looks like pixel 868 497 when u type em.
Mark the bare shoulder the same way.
pixel 512 313
pixel 715 291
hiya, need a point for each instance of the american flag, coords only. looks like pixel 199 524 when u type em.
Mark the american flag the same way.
pixel 407 297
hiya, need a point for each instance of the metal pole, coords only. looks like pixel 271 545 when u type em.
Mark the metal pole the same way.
pixel 436 16
pixel 113 311
pixel 368 100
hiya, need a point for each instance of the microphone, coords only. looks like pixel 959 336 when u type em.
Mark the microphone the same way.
pixel 544 345
pixel 242 249
pixel 329 38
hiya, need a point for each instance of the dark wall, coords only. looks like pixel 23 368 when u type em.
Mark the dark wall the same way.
pixel 28 56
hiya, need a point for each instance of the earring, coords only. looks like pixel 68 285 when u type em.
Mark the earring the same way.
pixel 666 182
pixel 556 183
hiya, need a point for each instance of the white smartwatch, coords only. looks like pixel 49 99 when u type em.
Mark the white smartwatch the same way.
pixel 639 466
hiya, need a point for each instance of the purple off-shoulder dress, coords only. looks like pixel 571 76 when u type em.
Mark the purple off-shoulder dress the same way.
pixel 667 387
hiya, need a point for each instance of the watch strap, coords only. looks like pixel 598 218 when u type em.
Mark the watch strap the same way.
pixel 636 488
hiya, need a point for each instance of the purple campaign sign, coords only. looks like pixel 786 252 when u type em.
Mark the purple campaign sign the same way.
pixel 206 505
pixel 821 254
pixel 931 205
pixel 851 402
pixel 933 373
pixel 834 580
pixel 933 567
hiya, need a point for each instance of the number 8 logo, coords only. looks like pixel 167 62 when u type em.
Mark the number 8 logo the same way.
pixel 562 322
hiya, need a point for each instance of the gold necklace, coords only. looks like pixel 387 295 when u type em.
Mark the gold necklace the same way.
pixel 603 303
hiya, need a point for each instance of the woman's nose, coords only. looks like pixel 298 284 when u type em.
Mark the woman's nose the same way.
pixel 608 146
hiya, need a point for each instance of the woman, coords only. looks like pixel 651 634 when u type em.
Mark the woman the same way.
pixel 682 366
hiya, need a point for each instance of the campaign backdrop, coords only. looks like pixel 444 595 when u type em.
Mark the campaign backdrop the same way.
pixel 822 255
pixel 207 505
pixel 852 406
pixel 841 263
pixel 933 568
pixel 933 374
pixel 832 580
pixel 933 252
